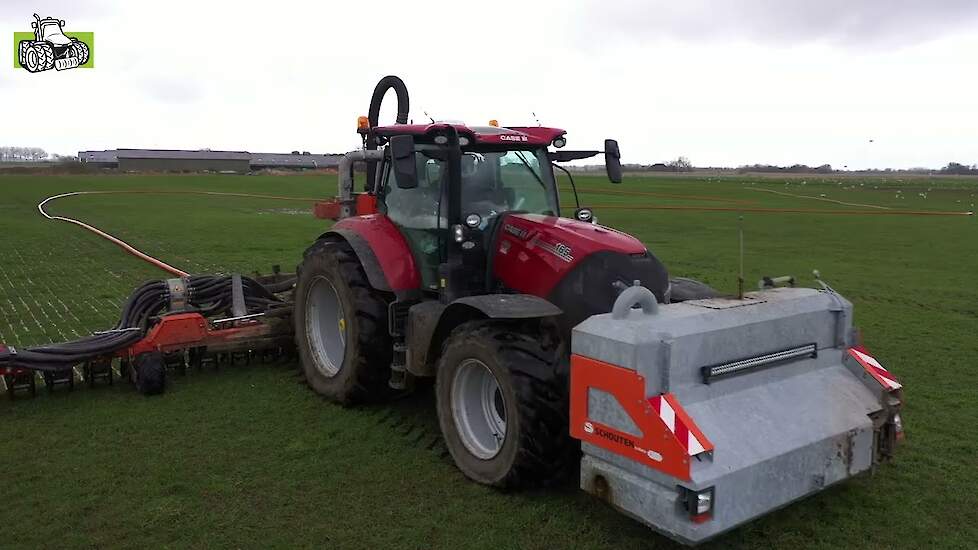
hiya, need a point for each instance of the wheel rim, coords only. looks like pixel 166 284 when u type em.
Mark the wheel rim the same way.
pixel 479 409
pixel 325 326
pixel 32 60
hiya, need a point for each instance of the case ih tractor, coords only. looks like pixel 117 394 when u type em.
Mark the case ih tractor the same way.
pixel 555 344
pixel 51 48
pixel 695 412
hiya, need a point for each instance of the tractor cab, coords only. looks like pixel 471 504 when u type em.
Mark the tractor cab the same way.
pixel 448 186
pixel 50 30
pixel 499 170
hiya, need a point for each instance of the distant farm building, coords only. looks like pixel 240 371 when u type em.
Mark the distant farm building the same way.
pixel 163 160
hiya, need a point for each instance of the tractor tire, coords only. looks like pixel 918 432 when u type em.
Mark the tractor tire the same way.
pixel 22 48
pixel 495 377
pixel 45 57
pixel 32 60
pixel 80 50
pixel 341 331
pixel 683 289
pixel 149 373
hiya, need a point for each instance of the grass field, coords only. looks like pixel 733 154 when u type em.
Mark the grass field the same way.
pixel 248 457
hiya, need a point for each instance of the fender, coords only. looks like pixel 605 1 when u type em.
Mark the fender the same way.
pixel 382 250
pixel 430 323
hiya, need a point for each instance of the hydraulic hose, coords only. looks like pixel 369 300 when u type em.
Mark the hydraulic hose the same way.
pixel 207 294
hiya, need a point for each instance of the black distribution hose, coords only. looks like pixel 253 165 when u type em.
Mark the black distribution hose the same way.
pixel 373 115
pixel 206 294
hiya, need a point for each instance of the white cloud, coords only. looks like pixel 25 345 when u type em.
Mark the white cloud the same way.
pixel 723 86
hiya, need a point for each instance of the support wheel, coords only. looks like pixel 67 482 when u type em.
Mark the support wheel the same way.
pixel 502 405
pixel 341 329
pixel 149 370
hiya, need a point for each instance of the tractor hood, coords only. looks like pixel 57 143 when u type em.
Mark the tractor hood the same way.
pixel 580 237
pixel 558 258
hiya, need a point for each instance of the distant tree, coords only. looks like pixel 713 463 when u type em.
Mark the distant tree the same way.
pixel 956 168
pixel 22 154
pixel 681 164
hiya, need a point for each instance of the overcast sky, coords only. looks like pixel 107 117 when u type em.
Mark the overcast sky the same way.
pixel 725 83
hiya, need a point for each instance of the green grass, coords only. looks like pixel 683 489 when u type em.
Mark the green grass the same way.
pixel 249 457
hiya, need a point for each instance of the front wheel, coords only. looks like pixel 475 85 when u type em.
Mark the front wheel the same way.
pixel 80 50
pixel 502 405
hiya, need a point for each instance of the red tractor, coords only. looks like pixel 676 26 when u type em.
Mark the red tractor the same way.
pixel 695 412
pixel 456 264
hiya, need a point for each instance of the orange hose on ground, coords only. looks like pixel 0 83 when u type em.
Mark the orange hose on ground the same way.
pixel 126 246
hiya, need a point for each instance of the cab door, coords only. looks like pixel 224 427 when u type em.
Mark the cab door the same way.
pixel 419 213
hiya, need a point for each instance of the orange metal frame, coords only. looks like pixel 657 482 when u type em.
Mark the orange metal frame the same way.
pixel 657 447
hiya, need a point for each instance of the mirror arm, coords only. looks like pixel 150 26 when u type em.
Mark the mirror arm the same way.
pixel 569 176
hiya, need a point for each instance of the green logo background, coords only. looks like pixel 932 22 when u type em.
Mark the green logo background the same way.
pixel 86 37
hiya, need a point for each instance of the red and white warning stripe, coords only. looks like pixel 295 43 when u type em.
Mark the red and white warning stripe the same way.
pixel 875 369
pixel 680 424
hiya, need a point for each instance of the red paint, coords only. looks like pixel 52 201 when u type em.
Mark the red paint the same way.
pixel 684 424
pixel 329 209
pixel 628 388
pixel 877 371
pixel 389 246
pixel 517 136
pixel 701 518
pixel 187 330
pixel 527 265
pixel 366 204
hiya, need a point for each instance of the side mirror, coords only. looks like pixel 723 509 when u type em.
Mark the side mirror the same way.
pixel 612 160
pixel 402 161
pixel 33 24
pixel 62 23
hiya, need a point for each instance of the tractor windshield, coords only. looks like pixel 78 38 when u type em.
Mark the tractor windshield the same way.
pixel 493 182
pixel 49 29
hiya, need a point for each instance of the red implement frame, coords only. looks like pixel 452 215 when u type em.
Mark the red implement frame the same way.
pixel 190 330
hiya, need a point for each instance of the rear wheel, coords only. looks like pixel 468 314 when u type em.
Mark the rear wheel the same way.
pixel 502 405
pixel 341 326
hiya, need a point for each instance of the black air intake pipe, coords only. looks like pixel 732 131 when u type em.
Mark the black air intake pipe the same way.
pixel 373 116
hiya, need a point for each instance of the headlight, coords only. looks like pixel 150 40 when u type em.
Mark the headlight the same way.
pixel 560 142
pixel 698 504
pixel 463 141
pixel 473 220
pixel 458 233
pixel 704 502
pixel 441 139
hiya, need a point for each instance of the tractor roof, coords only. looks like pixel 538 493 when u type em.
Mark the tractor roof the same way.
pixel 488 135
